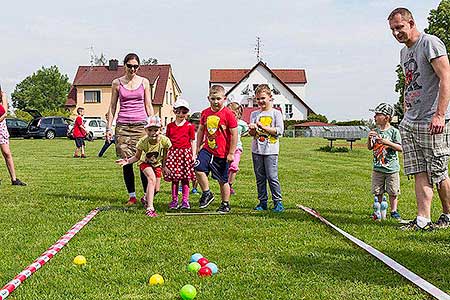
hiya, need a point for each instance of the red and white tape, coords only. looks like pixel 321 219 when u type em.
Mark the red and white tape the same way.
pixel 46 256
pixel 412 277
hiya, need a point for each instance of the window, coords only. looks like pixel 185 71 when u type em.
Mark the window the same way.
pixel 46 121
pixel 170 98
pixel 93 123
pixel 165 121
pixel 288 111
pixel 58 121
pixel 277 106
pixel 22 123
pixel 167 97
pixel 92 97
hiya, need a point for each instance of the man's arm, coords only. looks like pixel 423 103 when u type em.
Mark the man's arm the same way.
pixel 442 69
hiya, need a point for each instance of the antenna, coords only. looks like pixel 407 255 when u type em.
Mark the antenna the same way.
pixel 91 54
pixel 258 47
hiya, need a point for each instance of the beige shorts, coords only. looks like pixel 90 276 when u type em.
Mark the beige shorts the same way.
pixel 385 183
pixel 127 137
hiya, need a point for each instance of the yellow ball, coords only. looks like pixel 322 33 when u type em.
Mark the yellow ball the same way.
pixel 79 260
pixel 156 279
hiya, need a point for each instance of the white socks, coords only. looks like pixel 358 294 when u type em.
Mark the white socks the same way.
pixel 422 221
pixel 132 194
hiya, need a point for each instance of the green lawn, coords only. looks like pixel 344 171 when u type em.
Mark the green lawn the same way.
pixel 260 255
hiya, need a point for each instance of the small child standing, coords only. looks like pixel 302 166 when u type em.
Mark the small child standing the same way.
pixel 151 152
pixel 266 126
pixel 79 133
pixel 242 128
pixel 217 138
pixel 385 142
pixel 180 158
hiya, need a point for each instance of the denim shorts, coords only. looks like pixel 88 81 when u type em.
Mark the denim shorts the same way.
pixel 207 162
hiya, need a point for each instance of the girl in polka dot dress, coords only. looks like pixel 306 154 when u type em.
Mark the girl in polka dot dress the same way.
pixel 180 158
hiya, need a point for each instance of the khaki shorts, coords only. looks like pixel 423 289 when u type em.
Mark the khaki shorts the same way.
pixel 127 137
pixel 425 153
pixel 385 183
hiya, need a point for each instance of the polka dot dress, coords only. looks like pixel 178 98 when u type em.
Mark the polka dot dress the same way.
pixel 180 163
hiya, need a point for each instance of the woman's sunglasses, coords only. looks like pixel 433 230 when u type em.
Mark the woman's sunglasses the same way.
pixel 130 66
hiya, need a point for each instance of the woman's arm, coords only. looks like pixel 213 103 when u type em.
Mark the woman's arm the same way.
pixel 112 108
pixel 148 98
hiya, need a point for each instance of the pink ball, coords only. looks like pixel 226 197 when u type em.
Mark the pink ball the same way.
pixel 203 261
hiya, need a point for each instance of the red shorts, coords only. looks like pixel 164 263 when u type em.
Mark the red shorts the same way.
pixel 157 170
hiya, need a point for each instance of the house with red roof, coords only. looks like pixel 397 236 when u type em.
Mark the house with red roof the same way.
pixel 91 89
pixel 288 88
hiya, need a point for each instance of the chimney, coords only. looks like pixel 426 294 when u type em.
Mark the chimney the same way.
pixel 113 64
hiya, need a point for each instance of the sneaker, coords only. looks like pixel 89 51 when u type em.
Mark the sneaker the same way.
pixel 173 204
pixel 150 213
pixel 194 191
pixel 18 182
pixel 76 156
pixel 395 215
pixel 278 207
pixel 232 192
pixel 83 156
pixel 206 200
pixel 224 208
pixel 185 205
pixel 144 202
pixel 261 206
pixel 442 222
pixel 132 201
pixel 413 226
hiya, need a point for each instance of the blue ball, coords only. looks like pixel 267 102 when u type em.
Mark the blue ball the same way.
pixel 213 267
pixel 195 257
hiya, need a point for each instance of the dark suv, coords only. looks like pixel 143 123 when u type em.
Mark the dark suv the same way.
pixel 48 127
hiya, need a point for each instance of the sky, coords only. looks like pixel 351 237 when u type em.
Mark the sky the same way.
pixel 345 46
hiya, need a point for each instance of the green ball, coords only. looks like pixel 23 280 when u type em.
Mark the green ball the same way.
pixel 188 292
pixel 194 267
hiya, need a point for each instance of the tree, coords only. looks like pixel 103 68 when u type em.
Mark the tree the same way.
pixel 46 89
pixel 438 25
pixel 150 61
pixel 317 117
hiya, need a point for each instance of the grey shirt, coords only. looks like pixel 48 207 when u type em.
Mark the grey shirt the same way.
pixel 421 82
pixel 264 143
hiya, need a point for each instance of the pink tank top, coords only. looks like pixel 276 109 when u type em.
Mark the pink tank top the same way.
pixel 132 108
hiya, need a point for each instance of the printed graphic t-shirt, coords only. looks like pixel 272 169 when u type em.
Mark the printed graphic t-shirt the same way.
pixel 217 130
pixel 264 143
pixel 421 82
pixel 385 159
pixel 153 153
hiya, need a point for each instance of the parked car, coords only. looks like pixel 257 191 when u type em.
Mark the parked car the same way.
pixel 46 127
pixel 95 128
pixel 16 127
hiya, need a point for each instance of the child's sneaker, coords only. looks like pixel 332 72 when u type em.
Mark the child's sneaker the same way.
pixel 412 225
pixel 185 205
pixel 261 206
pixel 151 213
pixel 206 200
pixel 224 208
pixel 132 201
pixel 194 191
pixel 232 192
pixel 442 222
pixel 18 182
pixel 76 156
pixel 83 156
pixel 395 215
pixel 173 204
pixel 278 207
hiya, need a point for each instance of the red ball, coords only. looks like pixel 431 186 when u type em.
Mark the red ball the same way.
pixel 203 261
pixel 204 272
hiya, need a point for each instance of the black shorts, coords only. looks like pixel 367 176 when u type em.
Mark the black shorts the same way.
pixel 207 162
pixel 79 142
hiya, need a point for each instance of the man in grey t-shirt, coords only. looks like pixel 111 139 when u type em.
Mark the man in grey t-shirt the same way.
pixel 425 129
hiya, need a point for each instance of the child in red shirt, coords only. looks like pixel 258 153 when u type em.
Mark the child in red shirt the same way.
pixel 180 158
pixel 217 136
pixel 79 132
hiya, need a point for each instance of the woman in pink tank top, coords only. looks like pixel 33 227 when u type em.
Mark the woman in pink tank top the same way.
pixel 132 93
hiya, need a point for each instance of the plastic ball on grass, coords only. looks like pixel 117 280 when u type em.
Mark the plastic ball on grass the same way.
pixel 79 260
pixel 213 267
pixel 195 257
pixel 203 261
pixel 156 279
pixel 188 292
pixel 194 267
pixel 204 272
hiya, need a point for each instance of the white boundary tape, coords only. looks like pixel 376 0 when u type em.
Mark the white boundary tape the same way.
pixel 45 257
pixel 414 278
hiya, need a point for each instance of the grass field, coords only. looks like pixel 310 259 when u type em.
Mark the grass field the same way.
pixel 260 255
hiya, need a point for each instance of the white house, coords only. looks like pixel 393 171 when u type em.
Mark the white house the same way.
pixel 288 88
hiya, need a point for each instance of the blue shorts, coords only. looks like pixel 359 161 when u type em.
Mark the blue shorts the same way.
pixel 207 162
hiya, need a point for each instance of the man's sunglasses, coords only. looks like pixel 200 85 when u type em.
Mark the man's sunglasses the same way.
pixel 181 110
pixel 130 66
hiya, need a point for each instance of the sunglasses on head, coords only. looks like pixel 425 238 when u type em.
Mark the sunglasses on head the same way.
pixel 130 66
pixel 181 110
